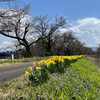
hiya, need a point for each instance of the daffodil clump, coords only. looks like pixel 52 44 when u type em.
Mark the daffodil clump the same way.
pixel 38 75
pixel 46 67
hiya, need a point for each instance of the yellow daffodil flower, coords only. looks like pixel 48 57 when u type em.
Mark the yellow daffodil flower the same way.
pixel 30 68
pixel 62 60
pixel 38 68
pixel 33 63
pixel 47 63
pixel 26 72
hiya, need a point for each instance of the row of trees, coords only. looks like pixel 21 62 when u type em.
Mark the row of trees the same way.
pixel 63 44
pixel 40 35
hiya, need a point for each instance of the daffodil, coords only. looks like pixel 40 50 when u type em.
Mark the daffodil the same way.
pixel 26 72
pixel 30 68
pixel 52 62
pixel 45 62
pixel 33 63
pixel 48 63
pixel 59 60
pixel 62 60
pixel 38 68
pixel 40 63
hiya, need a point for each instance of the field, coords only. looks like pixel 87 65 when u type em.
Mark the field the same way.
pixel 81 81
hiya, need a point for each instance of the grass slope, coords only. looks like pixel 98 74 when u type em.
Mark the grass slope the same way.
pixel 24 60
pixel 81 81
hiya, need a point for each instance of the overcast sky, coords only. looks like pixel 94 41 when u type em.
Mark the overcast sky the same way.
pixel 83 14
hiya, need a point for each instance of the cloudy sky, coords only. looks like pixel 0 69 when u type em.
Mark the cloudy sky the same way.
pixel 83 14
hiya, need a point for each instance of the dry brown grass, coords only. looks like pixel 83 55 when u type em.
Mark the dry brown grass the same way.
pixel 94 60
pixel 13 87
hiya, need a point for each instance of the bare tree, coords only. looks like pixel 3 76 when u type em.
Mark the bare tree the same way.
pixel 67 44
pixel 48 29
pixel 98 50
pixel 16 24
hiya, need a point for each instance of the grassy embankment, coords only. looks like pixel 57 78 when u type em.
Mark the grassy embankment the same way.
pixel 94 58
pixel 24 60
pixel 81 81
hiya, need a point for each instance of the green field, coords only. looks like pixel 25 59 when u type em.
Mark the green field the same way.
pixel 81 81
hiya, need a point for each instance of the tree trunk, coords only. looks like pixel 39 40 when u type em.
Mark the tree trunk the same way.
pixel 28 51
pixel 68 51
pixel 49 53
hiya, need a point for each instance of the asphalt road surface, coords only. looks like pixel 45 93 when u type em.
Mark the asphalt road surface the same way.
pixel 8 73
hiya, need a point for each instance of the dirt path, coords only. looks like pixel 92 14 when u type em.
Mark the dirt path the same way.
pixel 8 73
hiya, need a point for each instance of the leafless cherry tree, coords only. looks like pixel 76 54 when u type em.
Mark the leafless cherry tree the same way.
pixel 16 24
pixel 48 29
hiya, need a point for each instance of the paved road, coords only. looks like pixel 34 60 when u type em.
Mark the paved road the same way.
pixel 8 73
